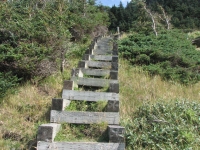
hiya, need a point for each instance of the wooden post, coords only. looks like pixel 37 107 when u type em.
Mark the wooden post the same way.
pixel 114 66
pixel 62 60
pixel 113 75
pixel 115 58
pixel 116 134
pixel 115 48
pixel 47 132
pixel 112 106
pixel 69 85
pixel 59 104
pixel 118 32
pixel 114 87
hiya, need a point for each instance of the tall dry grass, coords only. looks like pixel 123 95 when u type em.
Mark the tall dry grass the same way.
pixel 21 113
pixel 137 88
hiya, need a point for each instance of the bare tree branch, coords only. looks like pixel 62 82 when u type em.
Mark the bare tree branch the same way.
pixel 166 18
pixel 152 18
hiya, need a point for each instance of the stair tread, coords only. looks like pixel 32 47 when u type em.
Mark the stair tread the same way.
pixel 79 117
pixel 95 82
pixel 89 95
pixel 80 146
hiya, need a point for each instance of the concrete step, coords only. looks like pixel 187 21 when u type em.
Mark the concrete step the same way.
pixel 111 118
pixel 112 99
pixel 82 72
pixel 98 57
pixel 93 82
pixel 94 64
pixel 79 146
pixel 89 96
pixel 102 52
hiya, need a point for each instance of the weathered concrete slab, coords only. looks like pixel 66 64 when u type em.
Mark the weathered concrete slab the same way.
pixel 95 64
pixel 89 96
pixel 101 57
pixel 99 64
pixel 102 52
pixel 116 134
pixel 59 104
pixel 95 72
pixel 81 72
pixel 47 132
pixel 94 82
pixel 98 57
pixel 79 146
pixel 84 117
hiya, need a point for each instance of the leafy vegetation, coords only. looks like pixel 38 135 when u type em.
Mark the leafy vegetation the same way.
pixel 92 132
pixel 164 126
pixel 34 34
pixel 7 81
pixel 152 109
pixel 87 106
pixel 169 54
pixel 185 13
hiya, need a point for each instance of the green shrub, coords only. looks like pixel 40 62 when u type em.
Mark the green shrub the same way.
pixel 142 59
pixel 169 54
pixel 164 126
pixel 7 81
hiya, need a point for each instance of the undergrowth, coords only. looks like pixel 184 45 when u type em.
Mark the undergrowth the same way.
pixel 92 132
pixel 27 106
pixel 98 106
pixel 164 126
pixel 169 55
pixel 157 113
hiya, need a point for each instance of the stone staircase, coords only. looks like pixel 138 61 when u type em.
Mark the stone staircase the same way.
pixel 98 69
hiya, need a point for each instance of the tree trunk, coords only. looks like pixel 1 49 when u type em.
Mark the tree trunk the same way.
pixel 153 20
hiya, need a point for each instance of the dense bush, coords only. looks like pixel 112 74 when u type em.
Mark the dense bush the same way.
pixel 164 126
pixel 169 54
pixel 7 81
pixel 34 34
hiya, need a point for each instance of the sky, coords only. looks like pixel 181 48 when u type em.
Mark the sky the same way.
pixel 112 2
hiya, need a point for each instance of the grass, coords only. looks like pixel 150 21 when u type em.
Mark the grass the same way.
pixel 138 88
pixel 22 112
pixel 158 114
pixel 98 106
pixel 86 133
pixel 164 126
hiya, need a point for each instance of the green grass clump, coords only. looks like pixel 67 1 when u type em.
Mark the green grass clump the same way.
pixel 170 55
pixel 87 106
pixel 164 126
pixel 74 132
